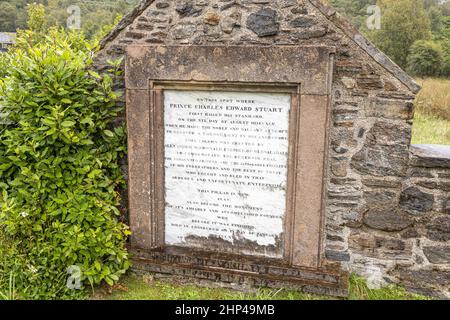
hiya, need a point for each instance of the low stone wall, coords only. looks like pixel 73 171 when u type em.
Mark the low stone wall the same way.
pixel 403 234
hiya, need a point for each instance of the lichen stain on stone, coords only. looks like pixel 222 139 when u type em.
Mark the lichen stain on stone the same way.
pixel 161 50
pixel 136 52
pixel 198 76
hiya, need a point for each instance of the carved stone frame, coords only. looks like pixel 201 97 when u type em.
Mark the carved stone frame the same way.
pixel 304 72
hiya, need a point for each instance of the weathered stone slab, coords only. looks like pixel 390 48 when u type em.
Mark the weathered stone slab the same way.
pixel 226 158
pixel 430 156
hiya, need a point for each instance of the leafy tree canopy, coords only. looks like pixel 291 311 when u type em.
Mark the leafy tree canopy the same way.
pixel 94 14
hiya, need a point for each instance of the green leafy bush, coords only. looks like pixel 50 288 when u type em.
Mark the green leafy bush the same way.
pixel 445 42
pixel 59 169
pixel 426 58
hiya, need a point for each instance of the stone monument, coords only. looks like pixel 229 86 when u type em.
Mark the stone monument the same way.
pixel 269 145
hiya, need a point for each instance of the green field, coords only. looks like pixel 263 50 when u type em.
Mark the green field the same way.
pixel 432 113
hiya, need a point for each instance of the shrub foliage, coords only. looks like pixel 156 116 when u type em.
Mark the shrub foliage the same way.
pixel 426 58
pixel 59 169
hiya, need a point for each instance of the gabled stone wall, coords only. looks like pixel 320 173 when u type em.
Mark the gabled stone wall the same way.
pixel 387 208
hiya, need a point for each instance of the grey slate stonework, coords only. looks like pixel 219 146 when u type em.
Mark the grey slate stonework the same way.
pixel 264 23
pixel 414 200
pixel 388 219
pixel 439 229
pixel 437 255
pixel 388 202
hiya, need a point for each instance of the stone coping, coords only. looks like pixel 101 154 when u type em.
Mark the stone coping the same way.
pixel 430 155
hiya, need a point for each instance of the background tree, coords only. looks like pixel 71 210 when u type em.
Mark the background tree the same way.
pixel 8 17
pixel 403 22
pixel 435 15
pixel 94 14
pixel 355 10
pixel 426 58
pixel 444 40
pixel 445 8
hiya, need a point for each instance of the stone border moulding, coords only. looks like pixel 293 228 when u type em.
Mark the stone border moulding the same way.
pixel 305 72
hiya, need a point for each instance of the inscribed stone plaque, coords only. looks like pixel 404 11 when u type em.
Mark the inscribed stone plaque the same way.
pixel 226 158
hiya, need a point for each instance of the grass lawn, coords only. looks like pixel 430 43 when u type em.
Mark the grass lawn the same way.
pixel 147 288
pixel 430 130
pixel 432 116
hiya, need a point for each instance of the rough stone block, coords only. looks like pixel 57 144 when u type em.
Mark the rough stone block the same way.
pixel 337 255
pixel 390 243
pixel 339 166
pixel 416 172
pixel 446 208
pixel 414 200
pixel 186 9
pixel 370 82
pixel 264 23
pixel 390 109
pixel 410 233
pixel 352 219
pixel 379 246
pixel 299 9
pixel 212 18
pixel 230 22
pixel 184 31
pixel 303 22
pixel 428 277
pixel 311 33
pixel 381 161
pixel 375 182
pixel 379 197
pixel 388 133
pixel 385 151
pixel 428 184
pixel 362 241
pixel 162 5
pixel 439 229
pixel 437 255
pixel 388 219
